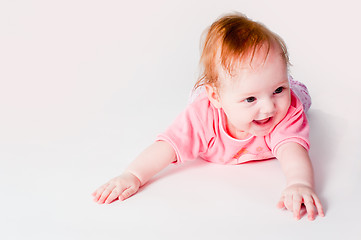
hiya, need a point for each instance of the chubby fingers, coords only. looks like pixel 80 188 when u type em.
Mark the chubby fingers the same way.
pixel 281 203
pixel 313 206
pixel 127 193
pixel 289 202
pixel 111 193
pixel 310 207
pixel 104 195
pixel 318 205
pixel 114 194
pixel 297 203
pixel 293 202
pixel 286 201
pixel 108 193
pixel 98 193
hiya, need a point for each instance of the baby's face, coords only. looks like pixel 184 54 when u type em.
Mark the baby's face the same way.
pixel 256 97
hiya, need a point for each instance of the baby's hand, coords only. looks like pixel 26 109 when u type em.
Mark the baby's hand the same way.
pixel 295 195
pixel 120 187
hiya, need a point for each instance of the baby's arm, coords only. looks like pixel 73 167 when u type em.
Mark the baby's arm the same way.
pixel 151 161
pixel 296 165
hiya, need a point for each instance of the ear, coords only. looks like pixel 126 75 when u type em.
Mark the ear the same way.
pixel 213 95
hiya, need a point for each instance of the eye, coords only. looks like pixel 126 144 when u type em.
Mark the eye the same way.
pixel 250 99
pixel 278 90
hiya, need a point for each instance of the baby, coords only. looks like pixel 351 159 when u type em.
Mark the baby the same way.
pixel 249 108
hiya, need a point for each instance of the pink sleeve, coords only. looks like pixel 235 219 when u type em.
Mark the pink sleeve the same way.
pixel 186 134
pixel 293 128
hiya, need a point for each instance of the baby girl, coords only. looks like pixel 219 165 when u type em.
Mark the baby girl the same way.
pixel 249 108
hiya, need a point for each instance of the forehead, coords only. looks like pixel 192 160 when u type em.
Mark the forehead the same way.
pixel 266 64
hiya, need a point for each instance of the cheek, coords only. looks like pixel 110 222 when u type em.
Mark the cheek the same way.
pixel 243 116
pixel 284 104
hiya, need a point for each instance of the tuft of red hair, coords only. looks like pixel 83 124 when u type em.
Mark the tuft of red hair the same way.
pixel 231 39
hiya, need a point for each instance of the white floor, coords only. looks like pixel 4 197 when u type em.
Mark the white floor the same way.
pixel 86 85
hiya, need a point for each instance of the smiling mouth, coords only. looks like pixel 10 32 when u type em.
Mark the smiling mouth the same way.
pixel 263 121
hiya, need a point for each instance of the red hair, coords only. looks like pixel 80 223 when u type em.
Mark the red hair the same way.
pixel 233 38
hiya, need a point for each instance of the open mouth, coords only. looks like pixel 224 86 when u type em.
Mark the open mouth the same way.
pixel 262 121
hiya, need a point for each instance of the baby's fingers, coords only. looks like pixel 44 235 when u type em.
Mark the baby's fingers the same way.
pixel 97 193
pixel 127 193
pixel 318 205
pixel 107 191
pixel 289 202
pixel 310 208
pixel 113 195
pixel 281 203
pixel 297 202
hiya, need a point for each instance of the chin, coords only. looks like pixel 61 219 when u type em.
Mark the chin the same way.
pixel 262 133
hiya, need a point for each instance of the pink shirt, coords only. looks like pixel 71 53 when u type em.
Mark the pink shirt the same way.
pixel 199 131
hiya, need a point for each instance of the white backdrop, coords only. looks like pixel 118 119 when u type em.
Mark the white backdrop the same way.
pixel 86 85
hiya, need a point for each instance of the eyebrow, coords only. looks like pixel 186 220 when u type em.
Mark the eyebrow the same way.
pixel 251 94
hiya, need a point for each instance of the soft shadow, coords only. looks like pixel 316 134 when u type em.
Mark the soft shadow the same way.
pixel 325 134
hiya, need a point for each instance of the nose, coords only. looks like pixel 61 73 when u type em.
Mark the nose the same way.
pixel 267 107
